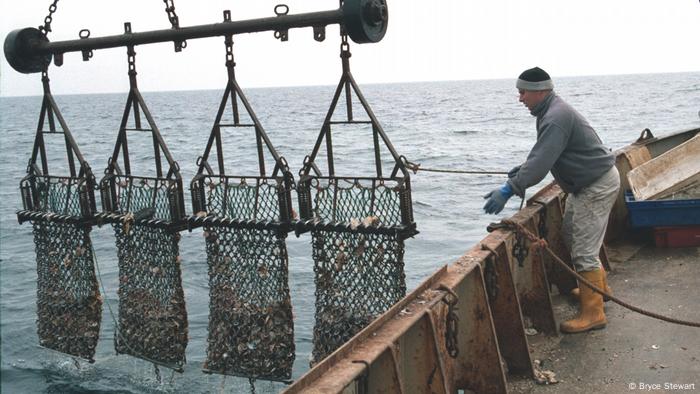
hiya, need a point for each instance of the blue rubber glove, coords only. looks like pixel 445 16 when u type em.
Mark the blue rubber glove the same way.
pixel 497 199
pixel 512 173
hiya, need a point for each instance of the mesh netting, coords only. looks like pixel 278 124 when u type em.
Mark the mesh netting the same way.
pixel 251 330
pixel 345 200
pixel 69 305
pixel 58 195
pixel 239 199
pixel 152 315
pixel 137 193
pixel 358 277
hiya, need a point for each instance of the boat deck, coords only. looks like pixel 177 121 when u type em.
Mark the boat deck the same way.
pixel 633 349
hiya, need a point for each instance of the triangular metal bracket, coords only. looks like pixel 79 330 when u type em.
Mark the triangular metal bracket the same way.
pixel 348 85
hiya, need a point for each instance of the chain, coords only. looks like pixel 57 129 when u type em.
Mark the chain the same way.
pixel 229 52
pixel 49 18
pixel 451 322
pixel 156 371
pixel 491 277
pixel 175 22
pixel 344 44
pixel 172 16
pixel 131 58
pixel 519 249
pixel 542 226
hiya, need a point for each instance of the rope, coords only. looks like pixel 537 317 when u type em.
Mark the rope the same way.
pixel 415 167
pixel 541 243
pixel 474 172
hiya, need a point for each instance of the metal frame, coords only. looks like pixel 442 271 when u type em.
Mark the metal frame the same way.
pixel 349 85
pixel 83 178
pixel 112 211
pixel 365 20
pixel 280 174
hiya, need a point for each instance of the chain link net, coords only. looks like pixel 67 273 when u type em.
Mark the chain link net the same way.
pixel 152 315
pixel 58 195
pixel 237 198
pixel 358 277
pixel 251 328
pixel 251 331
pixel 138 193
pixel 345 200
pixel 69 305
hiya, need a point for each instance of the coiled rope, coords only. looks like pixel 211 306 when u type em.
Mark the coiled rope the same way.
pixel 537 242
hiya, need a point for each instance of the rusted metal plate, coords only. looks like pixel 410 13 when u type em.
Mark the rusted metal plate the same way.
pixel 385 375
pixel 551 202
pixel 478 365
pixel 404 351
pixel 504 303
pixel 422 366
pixel 337 371
pixel 530 279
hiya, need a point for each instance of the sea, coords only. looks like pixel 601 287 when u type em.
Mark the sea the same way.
pixel 454 125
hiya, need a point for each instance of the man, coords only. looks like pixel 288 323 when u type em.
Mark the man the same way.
pixel 568 147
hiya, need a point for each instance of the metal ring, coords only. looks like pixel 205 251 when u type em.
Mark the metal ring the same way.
pixel 281 6
pixel 84 33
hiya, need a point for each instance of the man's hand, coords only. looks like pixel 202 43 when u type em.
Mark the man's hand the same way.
pixel 497 199
pixel 512 173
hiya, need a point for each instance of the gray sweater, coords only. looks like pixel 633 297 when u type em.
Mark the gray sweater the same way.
pixel 566 145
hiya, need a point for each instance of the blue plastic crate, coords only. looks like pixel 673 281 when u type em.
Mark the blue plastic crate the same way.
pixel 655 213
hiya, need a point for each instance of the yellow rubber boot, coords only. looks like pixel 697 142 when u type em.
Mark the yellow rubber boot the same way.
pixel 591 315
pixel 575 292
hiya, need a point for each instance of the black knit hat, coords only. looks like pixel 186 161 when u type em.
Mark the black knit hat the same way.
pixel 534 79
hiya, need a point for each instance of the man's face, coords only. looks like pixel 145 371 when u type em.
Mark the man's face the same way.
pixel 530 98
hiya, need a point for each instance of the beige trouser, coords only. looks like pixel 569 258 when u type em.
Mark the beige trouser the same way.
pixel 586 217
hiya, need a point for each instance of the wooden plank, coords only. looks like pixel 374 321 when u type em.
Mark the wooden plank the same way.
pixel 670 172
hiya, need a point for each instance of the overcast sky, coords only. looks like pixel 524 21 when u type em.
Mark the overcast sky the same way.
pixel 427 40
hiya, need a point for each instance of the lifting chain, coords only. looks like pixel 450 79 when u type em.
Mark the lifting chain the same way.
pixel 131 57
pixel 49 18
pixel 172 16
pixel 491 277
pixel 451 322
pixel 251 382
pixel 175 22
pixel 520 249
pixel 542 226
pixel 230 63
pixel 344 45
